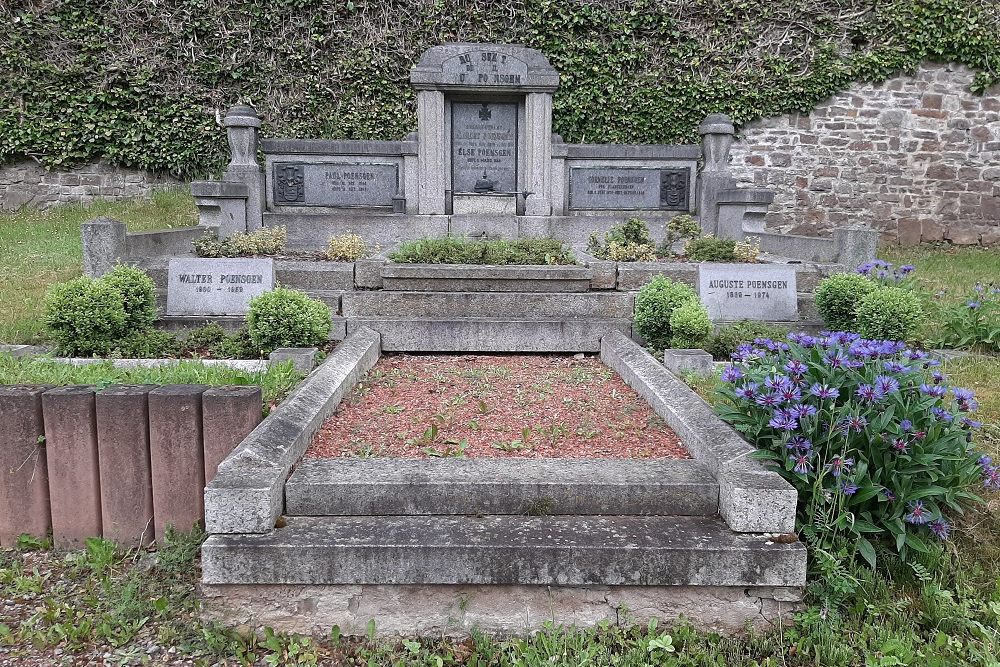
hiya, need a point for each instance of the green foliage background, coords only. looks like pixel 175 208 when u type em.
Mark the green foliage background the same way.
pixel 140 83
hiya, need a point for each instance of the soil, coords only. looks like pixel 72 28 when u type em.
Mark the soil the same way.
pixel 530 406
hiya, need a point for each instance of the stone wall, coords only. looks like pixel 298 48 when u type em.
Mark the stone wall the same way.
pixel 28 184
pixel 917 157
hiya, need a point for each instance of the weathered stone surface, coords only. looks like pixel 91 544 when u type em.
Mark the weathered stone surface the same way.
pixel 216 286
pixel 379 486
pixel 341 184
pixel 177 456
pixel 552 550
pixel 246 495
pixel 309 231
pixel 71 453
pixel 499 208
pixel 228 415
pixel 605 272
pixel 302 358
pixel 24 479
pixel 633 275
pixel 484 146
pixel 469 278
pixel 625 188
pixel 748 291
pixel 123 454
pixel 420 334
pixel 690 360
pixel 458 610
pixel 103 241
pixel 710 441
pixel 445 305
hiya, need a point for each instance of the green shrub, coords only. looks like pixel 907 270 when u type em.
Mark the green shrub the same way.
pixel 890 313
pixel 346 248
pixel 710 249
pixel 84 316
pixel 731 336
pixel 287 318
pixel 263 241
pixel 680 228
pixel 837 299
pixel 690 326
pixel 235 346
pixel 138 295
pixel 452 250
pixel 655 304
pixel 627 242
pixel 202 339
pixel 146 344
pixel 631 252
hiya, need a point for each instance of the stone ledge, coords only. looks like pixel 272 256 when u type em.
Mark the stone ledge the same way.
pixel 444 305
pixel 551 550
pixel 457 610
pixel 752 499
pixel 386 487
pixel 246 495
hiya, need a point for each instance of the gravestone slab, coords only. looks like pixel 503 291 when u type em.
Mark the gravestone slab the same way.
pixel 216 286
pixel 484 147
pixel 748 291
pixel 629 188
pixel 484 67
pixel 342 185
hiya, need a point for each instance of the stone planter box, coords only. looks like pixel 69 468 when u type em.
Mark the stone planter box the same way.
pixel 485 278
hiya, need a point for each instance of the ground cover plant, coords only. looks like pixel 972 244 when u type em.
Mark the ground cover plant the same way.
pixel 275 381
pixel 491 406
pixel 39 248
pixel 453 250
pixel 259 242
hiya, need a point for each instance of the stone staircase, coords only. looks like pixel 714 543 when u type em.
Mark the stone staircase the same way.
pixel 502 522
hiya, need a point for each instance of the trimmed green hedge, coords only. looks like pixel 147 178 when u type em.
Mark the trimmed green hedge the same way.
pixel 140 84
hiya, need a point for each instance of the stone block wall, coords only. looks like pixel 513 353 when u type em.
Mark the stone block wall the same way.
pixel 916 157
pixel 27 183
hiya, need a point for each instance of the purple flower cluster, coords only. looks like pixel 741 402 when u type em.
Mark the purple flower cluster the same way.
pixel 990 473
pixel 884 272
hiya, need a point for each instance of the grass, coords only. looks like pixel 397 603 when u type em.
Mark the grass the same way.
pixel 952 270
pixel 275 382
pixel 38 248
pixel 452 250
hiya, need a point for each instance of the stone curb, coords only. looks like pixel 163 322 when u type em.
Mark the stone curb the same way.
pixel 751 498
pixel 247 494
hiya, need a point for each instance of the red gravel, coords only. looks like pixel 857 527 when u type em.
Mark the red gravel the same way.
pixel 510 406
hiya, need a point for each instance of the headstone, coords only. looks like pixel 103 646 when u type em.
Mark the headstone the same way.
pixel 748 291
pixel 216 286
pixel 484 147
pixel 484 67
pixel 629 188
pixel 342 185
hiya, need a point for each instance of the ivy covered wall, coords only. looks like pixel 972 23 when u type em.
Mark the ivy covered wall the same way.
pixel 140 84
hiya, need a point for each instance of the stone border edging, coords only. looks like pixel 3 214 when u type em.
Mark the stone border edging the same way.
pixel 247 494
pixel 751 498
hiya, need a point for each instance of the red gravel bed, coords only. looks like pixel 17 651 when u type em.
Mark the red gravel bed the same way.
pixel 495 406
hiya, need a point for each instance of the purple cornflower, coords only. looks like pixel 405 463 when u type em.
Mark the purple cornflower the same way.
pixel 823 391
pixel 906 269
pixel 783 422
pixel 906 426
pixel 942 415
pixel 849 488
pixel 769 400
pixel 802 462
pixel 799 443
pixel 962 395
pixel 991 477
pixel 940 528
pixel 888 494
pixel 834 358
pixel 899 445
pixel 803 410
pixel 896 367
pixel 919 514
pixel 748 391
pixel 853 423
pixel 973 304
pixel 935 390
pixel 984 460
pixel 803 339
pixel 795 367
pixel 869 393
pixel 916 355
pixel 790 394
pixel 731 374
pixel 938 377
pixel 837 466
pixel 886 384
pixel 777 382
pixel 970 423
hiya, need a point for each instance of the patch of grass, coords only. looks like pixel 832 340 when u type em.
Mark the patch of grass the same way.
pixel 949 269
pixel 275 382
pixel 38 248
pixel 451 250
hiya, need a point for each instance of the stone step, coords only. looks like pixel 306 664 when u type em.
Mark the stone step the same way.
pixel 474 278
pixel 488 304
pixel 418 334
pixel 389 486
pixel 549 550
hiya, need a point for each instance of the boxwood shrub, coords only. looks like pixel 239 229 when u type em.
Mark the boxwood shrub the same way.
pixel 287 318
pixel 838 296
pixel 655 305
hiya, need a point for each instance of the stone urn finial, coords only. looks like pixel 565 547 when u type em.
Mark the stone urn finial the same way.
pixel 242 123
pixel 717 133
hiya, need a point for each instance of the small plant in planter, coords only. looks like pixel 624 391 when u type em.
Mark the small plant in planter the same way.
pixel 346 248
pixel 263 241
pixel 876 443
pixel 499 252
pixel 627 242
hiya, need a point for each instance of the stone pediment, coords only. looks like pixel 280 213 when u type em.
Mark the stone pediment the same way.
pixel 495 67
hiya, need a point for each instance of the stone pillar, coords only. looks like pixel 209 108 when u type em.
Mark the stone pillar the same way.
pixel 123 452
pixel 24 478
pixel 717 133
pixel 538 145
pixel 176 457
pixel 222 206
pixel 740 211
pixel 854 246
pixel 74 476
pixel 228 416
pixel 431 152
pixel 558 175
pixel 103 241
pixel 242 124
